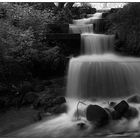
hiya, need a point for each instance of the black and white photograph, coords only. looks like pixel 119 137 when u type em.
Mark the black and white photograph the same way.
pixel 69 69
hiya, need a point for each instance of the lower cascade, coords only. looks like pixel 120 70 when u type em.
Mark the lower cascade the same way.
pixel 104 76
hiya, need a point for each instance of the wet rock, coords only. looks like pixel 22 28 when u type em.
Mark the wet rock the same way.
pixel 121 107
pixel 131 113
pixel 59 100
pixel 58 109
pixel 109 111
pixel 134 99
pixel 97 115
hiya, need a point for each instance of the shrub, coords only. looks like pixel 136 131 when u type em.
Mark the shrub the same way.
pixel 125 24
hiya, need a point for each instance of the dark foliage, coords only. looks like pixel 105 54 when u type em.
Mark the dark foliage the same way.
pixel 125 24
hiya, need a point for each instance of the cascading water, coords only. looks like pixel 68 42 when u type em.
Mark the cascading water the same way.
pixel 81 29
pixel 103 76
pixel 99 74
pixel 96 43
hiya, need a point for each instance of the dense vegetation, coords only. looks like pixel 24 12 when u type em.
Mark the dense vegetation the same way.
pixel 26 54
pixel 125 24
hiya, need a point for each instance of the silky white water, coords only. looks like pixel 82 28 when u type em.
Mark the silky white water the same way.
pixel 85 25
pixel 96 43
pixel 88 28
pixel 105 76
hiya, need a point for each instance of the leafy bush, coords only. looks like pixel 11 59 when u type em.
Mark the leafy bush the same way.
pixel 125 24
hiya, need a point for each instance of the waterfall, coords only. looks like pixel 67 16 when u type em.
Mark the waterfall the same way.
pixel 99 72
pixel 106 76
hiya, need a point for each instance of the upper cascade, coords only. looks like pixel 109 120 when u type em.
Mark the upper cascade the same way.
pixel 96 43
pixel 79 29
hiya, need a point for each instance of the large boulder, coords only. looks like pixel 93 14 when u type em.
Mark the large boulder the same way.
pixel 97 115
pixel 121 107
pixel 134 99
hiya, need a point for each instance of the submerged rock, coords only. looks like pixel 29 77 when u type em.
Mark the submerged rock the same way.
pixel 121 107
pixel 134 99
pixel 97 115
